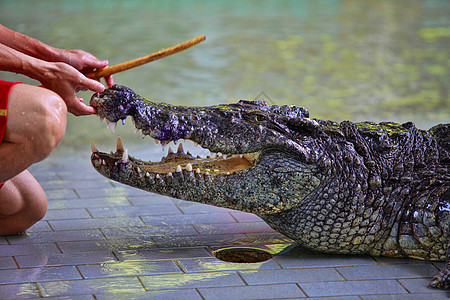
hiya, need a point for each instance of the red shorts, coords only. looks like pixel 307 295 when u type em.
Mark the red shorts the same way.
pixel 5 88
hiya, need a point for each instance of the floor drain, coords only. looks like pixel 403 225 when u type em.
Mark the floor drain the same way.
pixel 242 255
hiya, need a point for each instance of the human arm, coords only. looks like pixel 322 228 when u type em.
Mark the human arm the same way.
pixel 57 69
pixel 58 77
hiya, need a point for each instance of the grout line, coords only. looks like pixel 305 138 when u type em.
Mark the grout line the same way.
pixel 76 193
pixel 298 285
pixel 242 278
pixel 36 286
pixel 59 249
pixel 140 281
pixel 343 277
pixel 15 261
pixel 198 292
pixel 82 277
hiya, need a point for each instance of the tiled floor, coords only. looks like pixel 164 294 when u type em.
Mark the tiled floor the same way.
pixel 102 240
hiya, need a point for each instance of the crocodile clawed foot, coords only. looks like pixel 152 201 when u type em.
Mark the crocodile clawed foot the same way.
pixel 441 280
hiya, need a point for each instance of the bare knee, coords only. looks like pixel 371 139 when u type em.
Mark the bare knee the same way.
pixel 22 203
pixel 53 124
pixel 37 117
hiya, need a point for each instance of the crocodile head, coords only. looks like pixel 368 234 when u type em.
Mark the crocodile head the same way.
pixel 265 158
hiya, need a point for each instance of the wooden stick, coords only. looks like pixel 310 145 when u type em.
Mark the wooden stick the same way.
pixel 145 59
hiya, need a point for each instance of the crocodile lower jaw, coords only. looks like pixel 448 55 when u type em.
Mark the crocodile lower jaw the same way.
pixel 179 161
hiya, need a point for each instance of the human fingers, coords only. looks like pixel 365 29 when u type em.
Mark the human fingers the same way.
pixel 79 108
pixel 92 85
pixel 84 61
pixel 109 80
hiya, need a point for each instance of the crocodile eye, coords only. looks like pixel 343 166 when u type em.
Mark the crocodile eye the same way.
pixel 260 118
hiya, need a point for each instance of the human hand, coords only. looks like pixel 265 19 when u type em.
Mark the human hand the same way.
pixel 85 62
pixel 65 80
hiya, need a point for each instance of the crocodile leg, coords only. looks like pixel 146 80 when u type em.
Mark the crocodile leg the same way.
pixel 442 280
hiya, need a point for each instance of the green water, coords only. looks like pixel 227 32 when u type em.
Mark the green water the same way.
pixel 357 60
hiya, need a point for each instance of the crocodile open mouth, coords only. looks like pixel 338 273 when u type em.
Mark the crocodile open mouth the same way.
pixel 179 161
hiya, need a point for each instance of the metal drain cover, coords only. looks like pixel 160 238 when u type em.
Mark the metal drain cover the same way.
pixel 242 255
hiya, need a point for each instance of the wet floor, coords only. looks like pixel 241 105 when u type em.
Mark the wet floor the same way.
pixel 103 240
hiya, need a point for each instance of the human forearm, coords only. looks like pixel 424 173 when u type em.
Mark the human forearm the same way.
pixel 30 46
pixel 12 60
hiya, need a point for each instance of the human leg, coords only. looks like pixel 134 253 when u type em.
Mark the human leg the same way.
pixel 22 203
pixel 36 124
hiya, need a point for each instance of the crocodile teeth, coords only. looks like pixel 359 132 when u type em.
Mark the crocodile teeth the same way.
pixel 189 167
pixel 93 148
pixel 125 156
pixel 178 169
pixel 112 126
pixel 119 144
pixel 197 171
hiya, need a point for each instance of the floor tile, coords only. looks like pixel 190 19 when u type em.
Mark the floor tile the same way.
pixel 202 240
pixel 129 268
pixel 150 231
pixel 420 285
pixel 233 228
pixel 41 226
pixel 61 194
pixel 57 236
pixel 107 212
pixel 90 286
pixel 313 260
pixel 96 223
pixel 65 259
pixel 197 208
pixel 252 292
pixel 18 291
pixel 441 296
pixel 109 192
pixel 38 274
pixel 185 294
pixel 158 254
pixel 242 217
pixel 214 265
pixel 194 280
pixel 221 218
pixel 67 214
pixel 388 271
pixel 88 203
pixel 107 245
pixel 290 276
pixel 341 288
pixel 151 199
pixel 27 249
pixel 7 262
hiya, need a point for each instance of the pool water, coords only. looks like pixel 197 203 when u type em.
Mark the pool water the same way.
pixel 342 60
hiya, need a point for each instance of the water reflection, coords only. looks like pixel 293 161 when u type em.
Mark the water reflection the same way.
pixel 341 59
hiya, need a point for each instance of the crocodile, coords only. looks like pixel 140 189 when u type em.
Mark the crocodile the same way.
pixel 381 189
